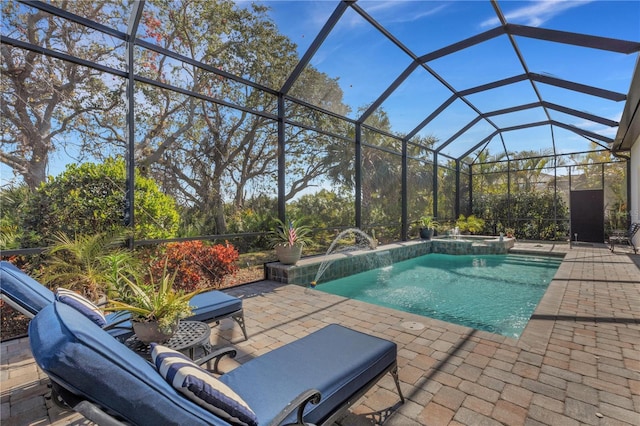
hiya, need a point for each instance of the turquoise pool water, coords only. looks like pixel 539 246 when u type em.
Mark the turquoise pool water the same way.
pixel 495 293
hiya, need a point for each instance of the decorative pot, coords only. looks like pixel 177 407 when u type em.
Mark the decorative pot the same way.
pixel 148 332
pixel 289 255
pixel 426 233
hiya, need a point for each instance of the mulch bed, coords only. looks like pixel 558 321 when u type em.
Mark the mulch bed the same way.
pixel 14 324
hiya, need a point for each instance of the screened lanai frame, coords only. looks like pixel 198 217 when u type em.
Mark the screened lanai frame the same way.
pixel 360 124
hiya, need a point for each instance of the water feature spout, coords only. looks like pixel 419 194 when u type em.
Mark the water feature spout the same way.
pixel 362 241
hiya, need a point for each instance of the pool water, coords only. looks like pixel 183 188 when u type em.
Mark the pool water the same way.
pixel 495 293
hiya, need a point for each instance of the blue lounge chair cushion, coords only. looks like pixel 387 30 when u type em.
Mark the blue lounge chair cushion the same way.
pixel 210 305
pixel 335 360
pixel 82 304
pixel 23 290
pixel 81 357
pixel 84 359
pixel 201 387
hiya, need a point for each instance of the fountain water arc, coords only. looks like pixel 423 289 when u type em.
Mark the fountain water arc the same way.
pixel 365 241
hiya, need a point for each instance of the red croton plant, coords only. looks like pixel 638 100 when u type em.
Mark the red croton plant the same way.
pixel 197 264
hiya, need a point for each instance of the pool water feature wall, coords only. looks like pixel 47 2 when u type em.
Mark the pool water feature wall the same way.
pixel 472 244
pixel 345 264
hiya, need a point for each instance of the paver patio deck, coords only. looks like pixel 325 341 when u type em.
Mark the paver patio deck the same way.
pixel 577 362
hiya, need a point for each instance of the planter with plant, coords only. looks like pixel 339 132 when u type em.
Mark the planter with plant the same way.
pixel 288 239
pixel 428 226
pixel 155 306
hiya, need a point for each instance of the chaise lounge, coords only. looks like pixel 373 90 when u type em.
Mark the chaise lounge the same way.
pixel 313 380
pixel 29 297
pixel 624 237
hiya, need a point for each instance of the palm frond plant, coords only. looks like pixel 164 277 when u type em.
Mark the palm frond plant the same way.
pixel 80 263
pixel 475 224
pixel 462 224
pixel 117 265
pixel 12 202
pixel 471 224
pixel 155 301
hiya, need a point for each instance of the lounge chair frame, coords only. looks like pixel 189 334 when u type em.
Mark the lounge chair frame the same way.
pixel 76 355
pixel 624 237
pixel 238 317
pixel 67 400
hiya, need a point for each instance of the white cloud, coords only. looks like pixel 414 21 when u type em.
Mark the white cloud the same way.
pixel 536 13
pixel 395 11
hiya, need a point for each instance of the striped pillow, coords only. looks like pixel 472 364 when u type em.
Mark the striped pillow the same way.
pixel 81 304
pixel 201 387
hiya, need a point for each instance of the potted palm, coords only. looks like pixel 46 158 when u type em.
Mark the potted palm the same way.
pixel 155 306
pixel 288 240
pixel 428 227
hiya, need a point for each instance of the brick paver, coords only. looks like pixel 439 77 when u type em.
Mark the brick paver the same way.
pixel 577 362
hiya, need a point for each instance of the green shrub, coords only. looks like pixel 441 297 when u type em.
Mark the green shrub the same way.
pixel 471 224
pixel 12 206
pixel 89 199
pixel 533 215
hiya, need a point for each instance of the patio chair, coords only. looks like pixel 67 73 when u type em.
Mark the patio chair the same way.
pixel 29 297
pixel 312 380
pixel 622 237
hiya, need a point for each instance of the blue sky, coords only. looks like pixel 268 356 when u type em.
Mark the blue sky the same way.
pixel 366 63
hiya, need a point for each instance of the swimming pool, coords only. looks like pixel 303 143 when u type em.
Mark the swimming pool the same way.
pixel 495 293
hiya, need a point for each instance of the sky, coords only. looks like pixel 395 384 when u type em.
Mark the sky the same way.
pixel 366 63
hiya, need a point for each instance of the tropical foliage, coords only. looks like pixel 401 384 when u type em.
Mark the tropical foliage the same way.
pixel 96 265
pixel 531 214
pixel 89 264
pixel 12 202
pixel 471 224
pixel 196 264
pixel 429 222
